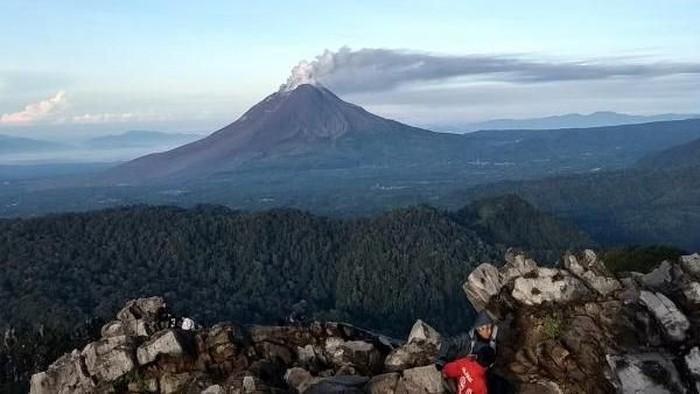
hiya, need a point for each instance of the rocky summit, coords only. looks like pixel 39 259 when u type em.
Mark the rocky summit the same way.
pixel 573 328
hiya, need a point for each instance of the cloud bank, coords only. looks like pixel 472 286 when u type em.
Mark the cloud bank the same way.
pixel 368 70
pixel 35 112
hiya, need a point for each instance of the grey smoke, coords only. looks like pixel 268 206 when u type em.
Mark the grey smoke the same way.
pixel 365 70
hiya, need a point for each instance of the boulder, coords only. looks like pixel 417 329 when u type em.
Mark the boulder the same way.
pixel 671 319
pixel 300 379
pixel 691 265
pixel 517 264
pixel 592 272
pixel 383 384
pixel 425 379
pixel 550 285
pixel 692 362
pixel 660 278
pixel 108 359
pixel 423 333
pixel 214 389
pixel 174 383
pixel 363 356
pixel 112 329
pixel 412 354
pixel 142 316
pixel 481 285
pixel 167 342
pixel 691 292
pixel 645 373
pixel 66 375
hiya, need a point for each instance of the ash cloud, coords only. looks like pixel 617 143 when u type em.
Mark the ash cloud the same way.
pixel 367 70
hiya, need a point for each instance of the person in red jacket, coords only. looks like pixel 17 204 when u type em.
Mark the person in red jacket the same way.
pixel 470 372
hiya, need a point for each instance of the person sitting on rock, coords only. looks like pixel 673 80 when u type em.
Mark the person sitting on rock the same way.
pixel 482 334
pixel 470 373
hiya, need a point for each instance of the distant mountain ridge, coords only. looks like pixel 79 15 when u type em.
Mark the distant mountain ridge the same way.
pixel 574 120
pixel 13 144
pixel 140 138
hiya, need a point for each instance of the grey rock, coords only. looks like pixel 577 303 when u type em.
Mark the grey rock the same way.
pixel 359 354
pixel 481 285
pixel 517 265
pixel 645 373
pixel 660 278
pixel 550 285
pixel 672 320
pixel 108 359
pixel 691 265
pixel 165 342
pixel 66 375
pixel 691 292
pixel 383 384
pixel 300 379
pixel 112 329
pixel 140 317
pixel 424 333
pixel 214 389
pixel 592 273
pixel 174 383
pixel 427 379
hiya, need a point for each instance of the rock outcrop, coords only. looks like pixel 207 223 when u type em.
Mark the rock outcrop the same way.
pixel 570 328
pixel 577 328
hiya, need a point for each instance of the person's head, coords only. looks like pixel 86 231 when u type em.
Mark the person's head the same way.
pixel 484 331
pixel 486 356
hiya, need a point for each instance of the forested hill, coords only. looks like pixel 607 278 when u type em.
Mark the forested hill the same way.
pixel 215 264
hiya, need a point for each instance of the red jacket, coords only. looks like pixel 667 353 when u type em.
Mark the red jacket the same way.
pixel 470 376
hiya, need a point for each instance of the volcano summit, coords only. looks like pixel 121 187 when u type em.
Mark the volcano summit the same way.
pixel 303 120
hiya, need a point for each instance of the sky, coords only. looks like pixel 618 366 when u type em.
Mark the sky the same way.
pixel 77 69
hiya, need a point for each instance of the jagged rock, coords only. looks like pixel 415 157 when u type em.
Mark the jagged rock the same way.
pixel 482 284
pixel 550 285
pixel 691 265
pixel 142 317
pixel 691 292
pixel 149 385
pixel 517 264
pixel 214 389
pixel 383 384
pixel 424 333
pixel 112 329
pixel 646 373
pixel 422 380
pixel 673 321
pixel 542 386
pixel 65 376
pixel 660 278
pixel 412 354
pixel 108 359
pixel 361 355
pixel 692 362
pixel 166 342
pixel 339 385
pixel 174 383
pixel 300 379
pixel 593 273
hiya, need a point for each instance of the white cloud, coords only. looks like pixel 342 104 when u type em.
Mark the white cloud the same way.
pixel 35 112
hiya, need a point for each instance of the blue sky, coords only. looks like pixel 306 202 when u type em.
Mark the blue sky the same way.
pixel 92 67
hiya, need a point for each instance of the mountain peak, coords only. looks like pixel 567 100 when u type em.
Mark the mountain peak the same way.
pixel 297 119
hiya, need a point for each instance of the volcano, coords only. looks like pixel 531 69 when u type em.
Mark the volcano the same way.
pixel 299 122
